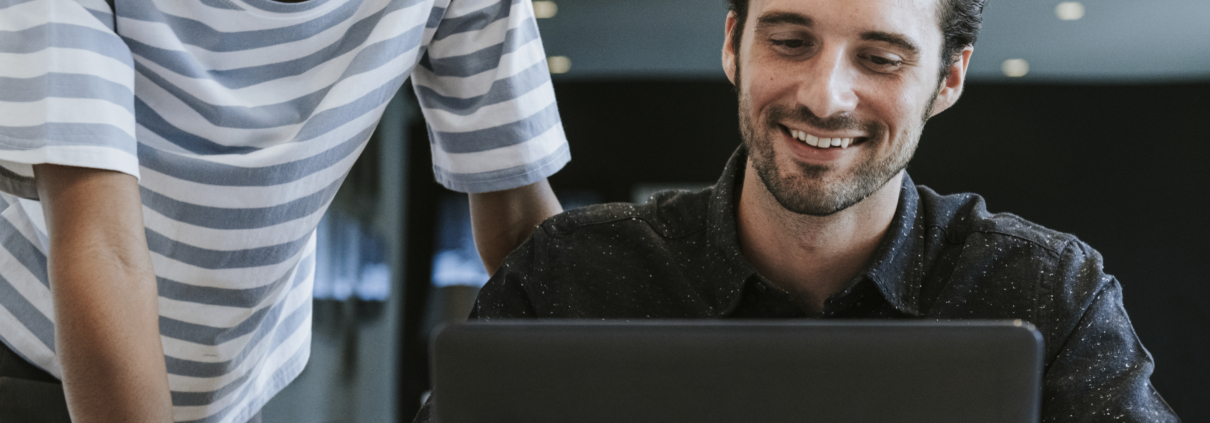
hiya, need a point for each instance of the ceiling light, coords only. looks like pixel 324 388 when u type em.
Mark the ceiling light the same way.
pixel 1015 68
pixel 1069 10
pixel 558 64
pixel 545 9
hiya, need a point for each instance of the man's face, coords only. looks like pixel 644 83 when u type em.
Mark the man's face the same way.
pixel 856 78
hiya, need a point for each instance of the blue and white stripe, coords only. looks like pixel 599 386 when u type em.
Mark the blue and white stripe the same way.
pixel 241 118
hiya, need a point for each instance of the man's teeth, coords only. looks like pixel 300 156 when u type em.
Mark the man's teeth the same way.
pixel 817 142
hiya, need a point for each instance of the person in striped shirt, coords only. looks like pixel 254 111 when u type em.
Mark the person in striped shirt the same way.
pixel 164 164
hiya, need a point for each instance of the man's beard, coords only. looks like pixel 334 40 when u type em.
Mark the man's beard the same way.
pixel 818 190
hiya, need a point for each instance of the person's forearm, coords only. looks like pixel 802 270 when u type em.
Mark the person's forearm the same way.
pixel 502 220
pixel 105 300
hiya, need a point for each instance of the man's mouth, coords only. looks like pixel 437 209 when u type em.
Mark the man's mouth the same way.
pixel 821 143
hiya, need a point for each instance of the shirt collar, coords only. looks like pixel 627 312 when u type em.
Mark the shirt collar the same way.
pixel 896 267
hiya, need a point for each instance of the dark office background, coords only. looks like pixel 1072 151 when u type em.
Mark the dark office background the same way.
pixel 1104 138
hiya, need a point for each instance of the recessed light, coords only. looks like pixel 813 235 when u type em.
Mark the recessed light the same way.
pixel 558 64
pixel 545 9
pixel 1069 10
pixel 1015 68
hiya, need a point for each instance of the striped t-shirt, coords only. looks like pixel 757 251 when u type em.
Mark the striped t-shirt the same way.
pixel 241 118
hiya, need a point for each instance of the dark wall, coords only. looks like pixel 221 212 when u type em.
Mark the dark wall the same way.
pixel 623 133
pixel 1119 166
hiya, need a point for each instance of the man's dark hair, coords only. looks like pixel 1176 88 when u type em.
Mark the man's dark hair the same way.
pixel 960 21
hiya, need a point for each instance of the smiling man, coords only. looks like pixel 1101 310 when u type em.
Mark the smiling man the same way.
pixel 815 217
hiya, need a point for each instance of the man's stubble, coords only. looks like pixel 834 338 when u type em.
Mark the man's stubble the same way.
pixel 819 190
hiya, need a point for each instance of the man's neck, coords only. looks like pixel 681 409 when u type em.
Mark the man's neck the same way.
pixel 811 257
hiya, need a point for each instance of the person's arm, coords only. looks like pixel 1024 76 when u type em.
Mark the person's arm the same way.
pixel 502 220
pixel 1099 370
pixel 106 305
pixel 493 122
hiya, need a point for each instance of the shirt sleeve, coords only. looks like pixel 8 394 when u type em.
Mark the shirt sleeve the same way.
pixel 66 91
pixel 486 95
pixel 1099 370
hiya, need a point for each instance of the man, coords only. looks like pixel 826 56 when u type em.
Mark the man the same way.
pixel 164 167
pixel 814 216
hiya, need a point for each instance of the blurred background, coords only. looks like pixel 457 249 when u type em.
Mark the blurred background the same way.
pixel 1089 118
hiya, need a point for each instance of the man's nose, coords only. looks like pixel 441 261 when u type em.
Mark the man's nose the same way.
pixel 827 88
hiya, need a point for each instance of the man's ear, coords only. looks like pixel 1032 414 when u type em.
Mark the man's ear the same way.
pixel 951 87
pixel 729 48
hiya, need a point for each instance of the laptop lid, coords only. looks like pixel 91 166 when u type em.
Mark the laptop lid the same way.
pixel 737 371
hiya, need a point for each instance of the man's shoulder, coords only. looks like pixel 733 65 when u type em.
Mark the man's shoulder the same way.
pixel 1005 266
pixel 668 214
pixel 963 216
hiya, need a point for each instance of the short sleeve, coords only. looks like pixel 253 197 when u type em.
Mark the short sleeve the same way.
pixel 486 94
pixel 66 91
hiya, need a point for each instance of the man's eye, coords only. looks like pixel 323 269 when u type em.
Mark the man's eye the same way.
pixel 882 63
pixel 789 43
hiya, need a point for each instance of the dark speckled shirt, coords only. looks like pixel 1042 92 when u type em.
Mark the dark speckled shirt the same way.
pixel 944 257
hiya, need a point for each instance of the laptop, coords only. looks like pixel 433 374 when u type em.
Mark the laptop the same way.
pixel 699 371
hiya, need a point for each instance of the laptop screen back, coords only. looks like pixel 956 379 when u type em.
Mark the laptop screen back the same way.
pixel 748 371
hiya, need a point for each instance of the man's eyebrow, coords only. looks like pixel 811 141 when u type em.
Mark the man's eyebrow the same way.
pixel 777 18
pixel 893 39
